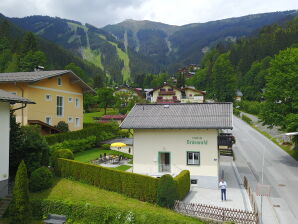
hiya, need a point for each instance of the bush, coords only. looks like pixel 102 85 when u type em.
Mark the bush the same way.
pixel 133 185
pixel 105 146
pixel 182 181
pixel 76 145
pixel 62 126
pixel 236 112
pixel 20 209
pixel 251 107
pixel 41 179
pixel 166 191
pixel 61 153
pixel 246 119
pixel 101 131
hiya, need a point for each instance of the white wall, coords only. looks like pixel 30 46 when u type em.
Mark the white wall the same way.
pixel 149 142
pixel 4 140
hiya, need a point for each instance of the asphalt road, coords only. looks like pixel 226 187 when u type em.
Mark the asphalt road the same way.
pixel 280 169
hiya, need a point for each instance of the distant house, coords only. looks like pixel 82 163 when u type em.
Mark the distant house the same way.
pixel 174 137
pixel 6 100
pixel 58 96
pixel 238 95
pixel 171 94
pixel 133 92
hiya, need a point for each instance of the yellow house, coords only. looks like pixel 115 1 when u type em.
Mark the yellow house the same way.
pixel 58 96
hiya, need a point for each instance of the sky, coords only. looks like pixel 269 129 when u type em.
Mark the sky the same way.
pixel 175 12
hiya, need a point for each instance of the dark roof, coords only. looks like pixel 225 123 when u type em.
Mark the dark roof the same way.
pixel 113 117
pixel 12 98
pixel 180 116
pixel 40 75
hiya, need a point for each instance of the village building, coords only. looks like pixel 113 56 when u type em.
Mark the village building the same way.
pixel 175 137
pixel 171 94
pixel 130 92
pixel 238 95
pixel 6 100
pixel 58 96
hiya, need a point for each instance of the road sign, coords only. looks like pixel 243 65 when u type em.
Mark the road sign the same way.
pixel 263 190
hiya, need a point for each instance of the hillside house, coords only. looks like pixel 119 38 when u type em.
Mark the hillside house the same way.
pixel 58 96
pixel 171 94
pixel 6 100
pixel 174 137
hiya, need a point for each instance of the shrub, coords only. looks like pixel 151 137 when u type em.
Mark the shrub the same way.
pixel 236 112
pixel 105 146
pixel 61 153
pixel 101 131
pixel 246 119
pixel 166 191
pixel 62 126
pixel 76 145
pixel 251 107
pixel 20 209
pixel 133 185
pixel 41 179
pixel 182 181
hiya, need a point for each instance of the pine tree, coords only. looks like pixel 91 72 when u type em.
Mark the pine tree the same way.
pixel 20 208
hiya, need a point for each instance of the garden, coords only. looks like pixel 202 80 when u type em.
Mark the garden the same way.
pixel 82 190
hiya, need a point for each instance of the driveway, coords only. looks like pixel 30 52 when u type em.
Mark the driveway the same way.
pixel 237 197
pixel 280 172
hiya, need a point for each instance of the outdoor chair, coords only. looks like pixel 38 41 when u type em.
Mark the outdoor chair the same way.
pixel 55 219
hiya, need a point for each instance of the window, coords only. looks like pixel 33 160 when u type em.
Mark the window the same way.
pixel 70 100
pixel 70 119
pixel 77 102
pixel 193 158
pixel 14 93
pixel 60 105
pixel 48 97
pixel 49 120
pixel 194 181
pixel 77 122
pixel 59 81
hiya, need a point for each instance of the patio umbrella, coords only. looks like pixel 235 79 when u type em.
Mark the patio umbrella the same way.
pixel 118 144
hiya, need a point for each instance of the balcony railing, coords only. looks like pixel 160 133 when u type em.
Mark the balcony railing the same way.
pixel 162 93
pixel 163 168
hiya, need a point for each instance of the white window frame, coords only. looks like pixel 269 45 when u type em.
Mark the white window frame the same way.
pixel 50 120
pixel 70 119
pixel 76 123
pixel 62 106
pixel 192 163
pixel 77 102
pixel 59 81
pixel 46 99
pixel 70 99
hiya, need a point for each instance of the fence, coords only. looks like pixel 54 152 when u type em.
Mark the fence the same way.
pixel 250 194
pixel 217 213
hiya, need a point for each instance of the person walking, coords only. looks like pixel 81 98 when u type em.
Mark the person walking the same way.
pixel 223 188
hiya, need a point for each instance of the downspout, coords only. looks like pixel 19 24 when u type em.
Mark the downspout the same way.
pixel 22 107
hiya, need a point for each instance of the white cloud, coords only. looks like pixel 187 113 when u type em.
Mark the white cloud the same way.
pixel 178 12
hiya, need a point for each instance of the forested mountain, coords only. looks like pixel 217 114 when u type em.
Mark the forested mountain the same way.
pixel 135 48
pixel 22 51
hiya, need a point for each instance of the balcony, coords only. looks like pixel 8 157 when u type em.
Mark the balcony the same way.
pixel 163 92
pixel 160 99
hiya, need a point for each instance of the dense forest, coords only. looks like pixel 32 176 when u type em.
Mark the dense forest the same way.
pixel 264 67
pixel 23 51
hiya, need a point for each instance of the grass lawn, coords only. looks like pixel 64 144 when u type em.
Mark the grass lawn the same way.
pixel 123 167
pixel 92 154
pixel 69 190
pixel 88 117
pixel 6 221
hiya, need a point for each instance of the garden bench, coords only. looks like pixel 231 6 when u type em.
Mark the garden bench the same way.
pixel 55 219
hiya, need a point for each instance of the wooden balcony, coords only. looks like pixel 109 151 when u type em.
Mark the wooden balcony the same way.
pixel 166 93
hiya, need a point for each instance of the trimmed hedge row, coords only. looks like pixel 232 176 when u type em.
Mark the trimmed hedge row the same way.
pixel 76 145
pixel 182 181
pixel 78 212
pixel 133 185
pixel 101 131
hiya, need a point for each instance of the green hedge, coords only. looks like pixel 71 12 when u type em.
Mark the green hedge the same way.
pixel 246 119
pixel 133 185
pixel 251 107
pixel 78 212
pixel 78 145
pixel 236 112
pixel 101 131
pixel 182 181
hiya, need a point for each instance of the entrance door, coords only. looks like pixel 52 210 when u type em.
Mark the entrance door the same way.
pixel 164 162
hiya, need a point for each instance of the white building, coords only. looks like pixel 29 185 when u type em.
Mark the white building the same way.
pixel 172 138
pixel 6 99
